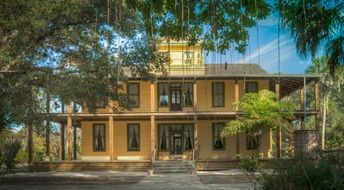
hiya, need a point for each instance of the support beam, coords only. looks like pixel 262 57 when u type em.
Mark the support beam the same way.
pixel 63 146
pixel 153 136
pixel 152 97
pixel 279 131
pixel 237 96
pixel 302 103
pixel 196 142
pixel 75 156
pixel 111 131
pixel 195 95
pixel 69 138
pixel 30 143
pixel 316 104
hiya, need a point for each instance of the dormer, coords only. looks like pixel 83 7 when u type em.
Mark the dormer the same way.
pixel 183 59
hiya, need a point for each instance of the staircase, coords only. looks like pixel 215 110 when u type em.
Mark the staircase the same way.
pixel 173 166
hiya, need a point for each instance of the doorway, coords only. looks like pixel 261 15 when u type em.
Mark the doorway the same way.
pixel 177 144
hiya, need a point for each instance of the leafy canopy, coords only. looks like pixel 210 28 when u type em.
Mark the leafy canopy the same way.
pixel 260 113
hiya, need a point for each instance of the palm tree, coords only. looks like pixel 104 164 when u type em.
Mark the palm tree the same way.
pixel 317 27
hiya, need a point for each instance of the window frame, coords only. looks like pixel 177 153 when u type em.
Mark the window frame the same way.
pixel 138 94
pixel 93 137
pixel 167 93
pixel 192 94
pixel 213 138
pixel 251 82
pixel 139 137
pixel 213 94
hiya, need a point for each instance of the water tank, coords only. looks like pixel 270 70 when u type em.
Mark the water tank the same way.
pixel 306 142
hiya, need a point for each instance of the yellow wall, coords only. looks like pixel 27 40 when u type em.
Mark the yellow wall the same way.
pixel 204 133
pixel 206 146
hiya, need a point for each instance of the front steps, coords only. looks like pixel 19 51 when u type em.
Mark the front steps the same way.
pixel 173 166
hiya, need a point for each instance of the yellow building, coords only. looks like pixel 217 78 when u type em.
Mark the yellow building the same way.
pixel 180 116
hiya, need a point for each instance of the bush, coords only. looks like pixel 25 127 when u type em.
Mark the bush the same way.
pixel 326 172
pixel 8 151
pixel 22 157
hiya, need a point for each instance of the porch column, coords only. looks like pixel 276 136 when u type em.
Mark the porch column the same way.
pixel 236 91
pixel 279 132
pixel 196 143
pixel 62 131
pixel 195 95
pixel 75 141
pixel 111 137
pixel 316 104
pixel 153 137
pixel 69 138
pixel 302 103
pixel 152 96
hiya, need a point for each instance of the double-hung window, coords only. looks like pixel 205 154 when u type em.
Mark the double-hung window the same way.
pixel 218 141
pixel 134 94
pixel 251 87
pixel 218 89
pixel 133 136
pixel 99 137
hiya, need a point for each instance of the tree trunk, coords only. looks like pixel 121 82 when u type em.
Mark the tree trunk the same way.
pixel 47 132
pixel 30 143
pixel 324 116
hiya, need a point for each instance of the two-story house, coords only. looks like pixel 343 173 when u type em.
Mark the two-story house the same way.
pixel 181 115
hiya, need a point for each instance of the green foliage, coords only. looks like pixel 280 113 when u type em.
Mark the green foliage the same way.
pixel 22 157
pixel 327 172
pixel 249 164
pixel 188 19
pixel 316 25
pixel 260 113
pixel 8 151
pixel 39 147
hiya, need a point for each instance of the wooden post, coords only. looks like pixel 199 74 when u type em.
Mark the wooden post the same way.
pixel 153 135
pixel 316 104
pixel 62 141
pixel 75 156
pixel 236 92
pixel 69 138
pixel 111 126
pixel 196 143
pixel 30 143
pixel 152 97
pixel 195 95
pixel 279 131
pixel 302 103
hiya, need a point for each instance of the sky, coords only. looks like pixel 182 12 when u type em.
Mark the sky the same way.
pixel 266 54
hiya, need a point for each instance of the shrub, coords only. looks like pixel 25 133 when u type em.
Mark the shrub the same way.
pixel 8 151
pixel 326 172
pixel 22 157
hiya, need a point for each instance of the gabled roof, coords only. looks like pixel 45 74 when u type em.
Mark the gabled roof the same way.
pixel 234 69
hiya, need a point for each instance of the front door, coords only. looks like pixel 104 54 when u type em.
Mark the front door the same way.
pixel 176 99
pixel 177 143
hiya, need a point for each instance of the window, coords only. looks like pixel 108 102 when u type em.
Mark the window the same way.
pixel 134 94
pixel 251 87
pixel 163 94
pixel 188 137
pixel 188 57
pixel 252 141
pixel 164 137
pixel 218 94
pixel 188 94
pixel 218 141
pixel 133 136
pixel 99 137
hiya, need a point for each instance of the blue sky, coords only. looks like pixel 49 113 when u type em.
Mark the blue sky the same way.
pixel 291 62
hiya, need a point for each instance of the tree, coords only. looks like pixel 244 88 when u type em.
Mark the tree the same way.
pixel 330 85
pixel 261 112
pixel 317 27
